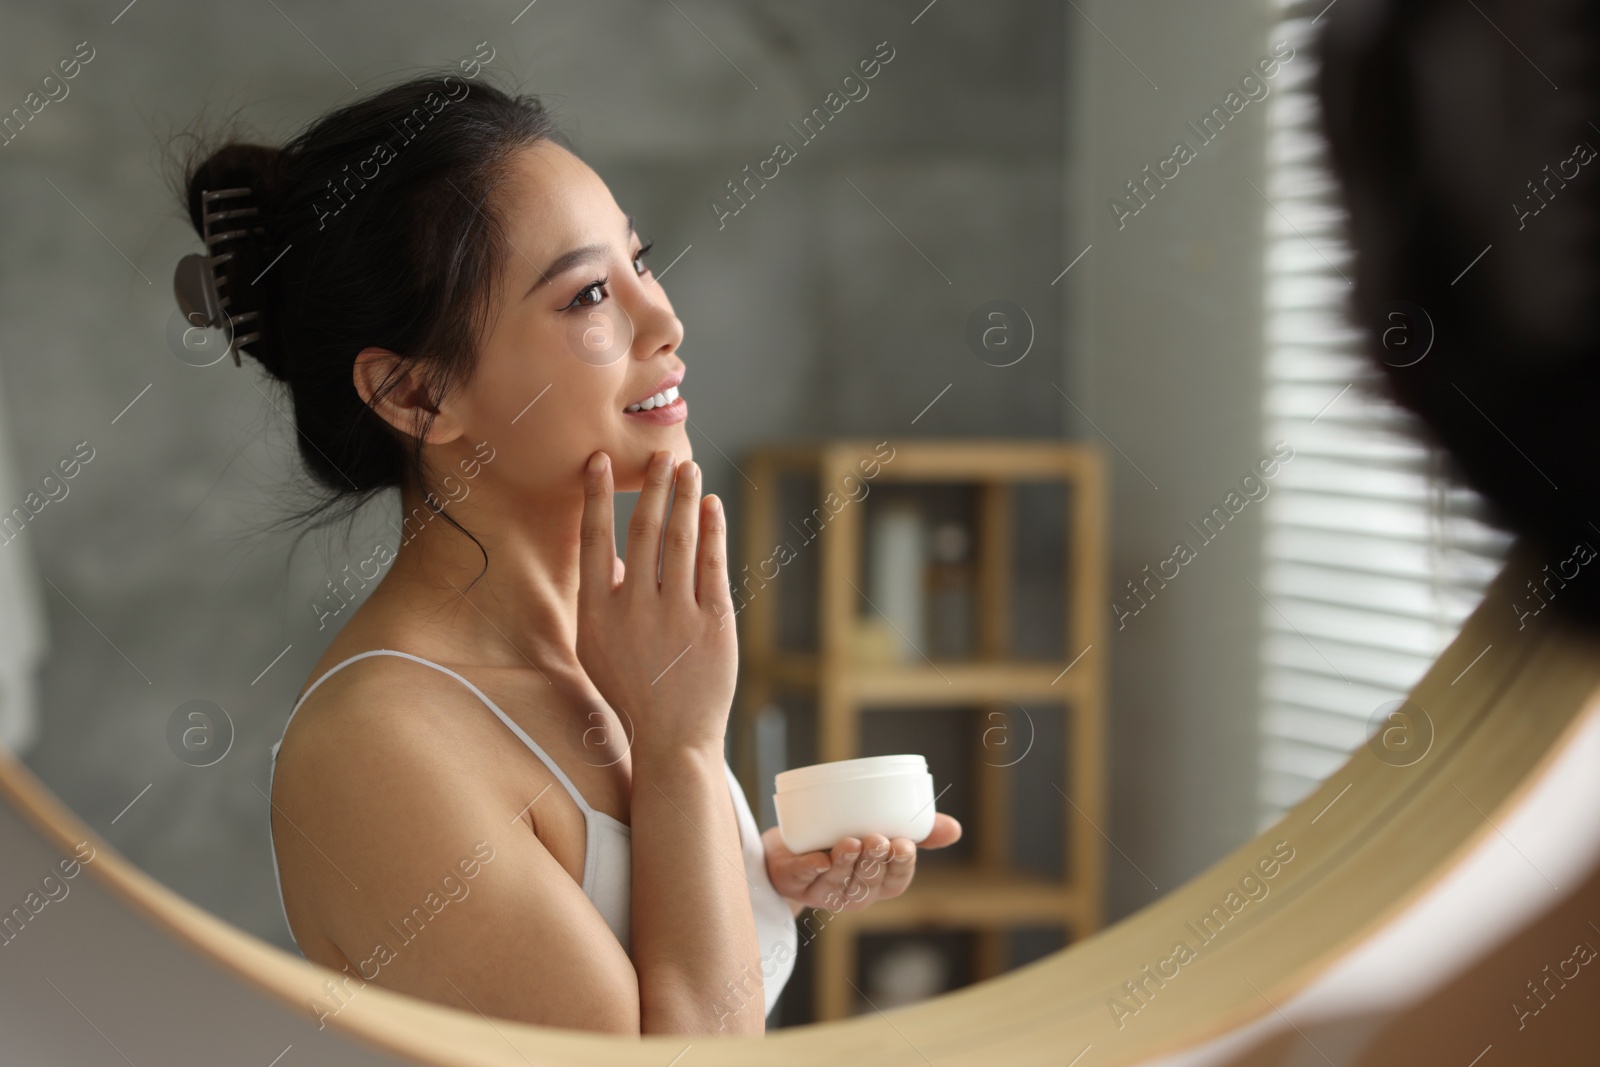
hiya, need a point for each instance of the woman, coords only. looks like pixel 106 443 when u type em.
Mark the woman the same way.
pixel 504 788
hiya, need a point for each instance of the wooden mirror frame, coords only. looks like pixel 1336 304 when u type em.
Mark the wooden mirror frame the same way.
pixel 1397 832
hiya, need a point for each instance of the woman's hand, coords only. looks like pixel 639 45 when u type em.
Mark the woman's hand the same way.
pixel 857 872
pixel 663 653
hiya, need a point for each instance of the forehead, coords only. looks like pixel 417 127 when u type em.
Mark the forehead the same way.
pixel 555 201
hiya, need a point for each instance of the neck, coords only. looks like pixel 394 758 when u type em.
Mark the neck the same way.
pixel 522 610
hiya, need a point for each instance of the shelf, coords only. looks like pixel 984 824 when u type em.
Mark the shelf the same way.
pixel 974 460
pixel 988 895
pixel 948 682
pixel 966 897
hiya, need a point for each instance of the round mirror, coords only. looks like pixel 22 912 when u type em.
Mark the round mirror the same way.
pixel 1018 347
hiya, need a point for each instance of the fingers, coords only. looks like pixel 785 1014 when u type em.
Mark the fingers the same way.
pixel 790 874
pixel 864 870
pixel 946 831
pixel 711 579
pixel 649 514
pixel 869 869
pixel 795 876
pixel 597 551
pixel 683 532
pixel 900 866
pixel 831 884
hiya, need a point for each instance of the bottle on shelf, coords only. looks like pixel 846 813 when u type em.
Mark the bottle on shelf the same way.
pixel 950 582
pixel 893 627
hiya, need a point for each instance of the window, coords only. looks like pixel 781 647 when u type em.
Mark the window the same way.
pixel 1371 561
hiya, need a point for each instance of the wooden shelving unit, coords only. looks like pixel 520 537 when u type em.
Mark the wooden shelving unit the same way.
pixel 990 896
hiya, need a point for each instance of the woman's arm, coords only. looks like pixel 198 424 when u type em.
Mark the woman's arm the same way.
pixel 665 653
pixel 694 936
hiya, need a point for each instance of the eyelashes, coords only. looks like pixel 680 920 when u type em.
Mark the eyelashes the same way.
pixel 579 300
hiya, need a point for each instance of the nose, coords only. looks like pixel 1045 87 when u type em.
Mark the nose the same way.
pixel 657 329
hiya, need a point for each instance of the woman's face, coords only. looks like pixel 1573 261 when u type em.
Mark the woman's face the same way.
pixel 584 339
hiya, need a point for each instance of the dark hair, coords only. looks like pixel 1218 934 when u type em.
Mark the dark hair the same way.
pixel 406 259
pixel 1441 136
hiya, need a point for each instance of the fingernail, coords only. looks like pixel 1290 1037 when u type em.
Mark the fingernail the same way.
pixel 665 459
pixel 597 462
pixel 880 851
pixel 850 857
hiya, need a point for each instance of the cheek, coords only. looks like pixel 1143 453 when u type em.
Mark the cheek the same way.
pixel 552 408
pixel 534 399
pixel 557 423
pixel 527 377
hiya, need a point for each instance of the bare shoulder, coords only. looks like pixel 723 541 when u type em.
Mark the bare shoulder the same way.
pixel 390 824
pixel 364 756
pixel 384 705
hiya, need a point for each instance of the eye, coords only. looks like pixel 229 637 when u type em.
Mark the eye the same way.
pixel 638 259
pixel 595 287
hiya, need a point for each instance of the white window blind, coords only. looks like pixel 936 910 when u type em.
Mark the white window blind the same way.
pixel 1371 562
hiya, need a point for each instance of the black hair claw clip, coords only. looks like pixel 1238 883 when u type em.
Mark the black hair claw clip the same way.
pixel 196 283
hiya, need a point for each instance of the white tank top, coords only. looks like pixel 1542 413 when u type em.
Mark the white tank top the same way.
pixel 608 855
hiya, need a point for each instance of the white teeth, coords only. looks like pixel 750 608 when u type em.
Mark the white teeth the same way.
pixel 660 400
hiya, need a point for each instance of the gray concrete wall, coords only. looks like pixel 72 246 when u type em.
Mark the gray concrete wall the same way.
pixel 1167 313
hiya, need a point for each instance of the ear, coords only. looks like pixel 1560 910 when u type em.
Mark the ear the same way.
pixel 407 401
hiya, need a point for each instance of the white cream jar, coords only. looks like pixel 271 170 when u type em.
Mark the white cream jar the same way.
pixel 820 804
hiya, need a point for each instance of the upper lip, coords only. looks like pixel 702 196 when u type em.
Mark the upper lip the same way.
pixel 666 383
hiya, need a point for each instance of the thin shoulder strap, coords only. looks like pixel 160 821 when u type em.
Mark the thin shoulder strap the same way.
pixel 561 776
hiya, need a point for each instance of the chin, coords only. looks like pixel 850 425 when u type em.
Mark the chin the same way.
pixel 629 461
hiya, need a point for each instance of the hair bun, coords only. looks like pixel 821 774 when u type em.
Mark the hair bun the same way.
pixel 257 167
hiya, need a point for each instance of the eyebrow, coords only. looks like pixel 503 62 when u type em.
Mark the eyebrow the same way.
pixel 577 256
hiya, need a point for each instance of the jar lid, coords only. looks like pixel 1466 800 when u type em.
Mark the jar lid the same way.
pixel 849 770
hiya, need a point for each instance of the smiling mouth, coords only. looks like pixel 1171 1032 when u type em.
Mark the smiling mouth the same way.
pixel 659 400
